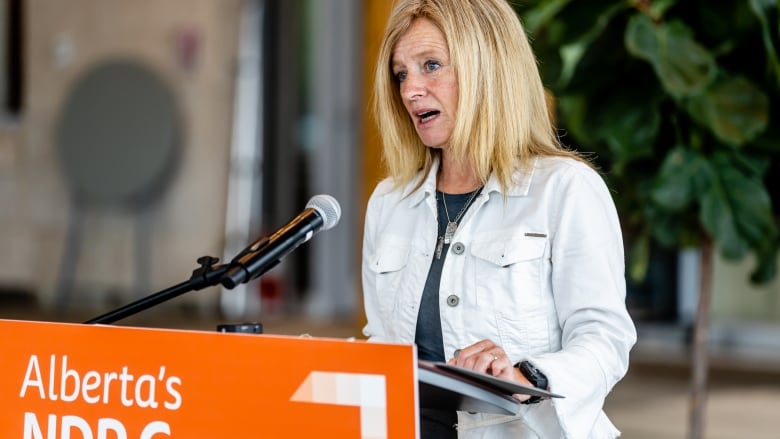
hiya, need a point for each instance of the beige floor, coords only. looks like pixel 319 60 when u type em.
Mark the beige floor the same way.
pixel 650 403
pixel 647 406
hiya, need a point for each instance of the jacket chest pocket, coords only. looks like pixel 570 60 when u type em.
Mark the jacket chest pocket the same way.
pixel 509 283
pixel 389 264
pixel 509 274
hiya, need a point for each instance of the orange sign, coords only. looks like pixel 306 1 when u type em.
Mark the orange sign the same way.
pixel 74 381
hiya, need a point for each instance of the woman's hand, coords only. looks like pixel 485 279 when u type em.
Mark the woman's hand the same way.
pixel 487 357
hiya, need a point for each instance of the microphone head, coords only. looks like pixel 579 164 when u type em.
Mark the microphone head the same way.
pixel 328 208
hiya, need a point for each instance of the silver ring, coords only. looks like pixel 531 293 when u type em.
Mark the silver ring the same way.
pixel 495 357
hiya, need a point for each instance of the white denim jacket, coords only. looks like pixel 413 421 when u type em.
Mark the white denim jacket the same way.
pixel 541 274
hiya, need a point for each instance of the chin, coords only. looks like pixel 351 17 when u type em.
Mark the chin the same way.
pixel 434 143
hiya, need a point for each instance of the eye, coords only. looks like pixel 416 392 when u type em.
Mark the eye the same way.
pixel 399 76
pixel 432 66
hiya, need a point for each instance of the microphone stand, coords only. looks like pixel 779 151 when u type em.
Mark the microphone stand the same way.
pixel 205 276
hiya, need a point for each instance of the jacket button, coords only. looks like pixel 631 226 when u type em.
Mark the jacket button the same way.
pixel 453 300
pixel 458 248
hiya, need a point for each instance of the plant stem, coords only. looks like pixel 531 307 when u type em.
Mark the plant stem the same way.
pixel 700 357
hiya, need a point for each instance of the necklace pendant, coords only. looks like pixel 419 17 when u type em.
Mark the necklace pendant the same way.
pixel 449 232
pixel 439 247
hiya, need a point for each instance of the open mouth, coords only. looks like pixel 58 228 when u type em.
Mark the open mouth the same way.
pixel 427 115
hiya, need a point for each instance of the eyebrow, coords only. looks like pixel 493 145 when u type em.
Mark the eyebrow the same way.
pixel 424 53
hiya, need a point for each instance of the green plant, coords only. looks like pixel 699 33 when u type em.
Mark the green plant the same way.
pixel 676 99
pixel 679 100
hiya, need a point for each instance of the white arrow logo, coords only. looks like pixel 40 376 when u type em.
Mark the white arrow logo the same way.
pixel 352 389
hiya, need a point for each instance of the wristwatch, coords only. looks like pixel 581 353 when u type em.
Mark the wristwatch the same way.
pixel 535 376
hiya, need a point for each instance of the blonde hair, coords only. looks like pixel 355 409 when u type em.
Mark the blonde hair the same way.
pixel 502 115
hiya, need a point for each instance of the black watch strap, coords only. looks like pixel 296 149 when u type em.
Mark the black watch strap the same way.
pixel 536 377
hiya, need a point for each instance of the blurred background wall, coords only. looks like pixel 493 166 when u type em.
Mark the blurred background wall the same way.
pixel 190 48
pixel 250 136
pixel 261 104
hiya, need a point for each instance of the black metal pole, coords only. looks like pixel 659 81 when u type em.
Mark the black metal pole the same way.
pixel 205 276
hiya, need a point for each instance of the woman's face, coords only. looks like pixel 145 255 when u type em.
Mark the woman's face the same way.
pixel 427 82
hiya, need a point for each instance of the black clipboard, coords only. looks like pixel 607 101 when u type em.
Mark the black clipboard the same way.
pixel 500 384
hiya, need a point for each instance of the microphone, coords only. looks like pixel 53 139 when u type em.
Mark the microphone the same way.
pixel 322 213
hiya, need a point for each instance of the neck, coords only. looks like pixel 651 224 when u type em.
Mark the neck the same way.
pixel 456 179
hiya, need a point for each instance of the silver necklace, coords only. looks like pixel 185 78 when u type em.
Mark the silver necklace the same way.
pixel 452 224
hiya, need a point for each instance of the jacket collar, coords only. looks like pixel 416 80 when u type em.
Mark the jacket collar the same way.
pixel 519 189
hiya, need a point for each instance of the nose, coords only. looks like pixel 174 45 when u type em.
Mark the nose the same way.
pixel 413 86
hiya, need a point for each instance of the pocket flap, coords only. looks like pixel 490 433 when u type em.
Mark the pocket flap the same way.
pixel 511 251
pixel 390 258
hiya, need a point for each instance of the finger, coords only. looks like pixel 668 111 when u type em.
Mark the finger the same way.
pixel 492 359
pixel 501 366
pixel 481 361
pixel 520 397
pixel 464 355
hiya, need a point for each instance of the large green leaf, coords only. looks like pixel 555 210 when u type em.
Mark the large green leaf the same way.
pixel 671 229
pixel 752 166
pixel 632 130
pixel 766 266
pixel 683 66
pixel 732 108
pixel 736 210
pixel 684 176
pixel 743 184
pixel 719 219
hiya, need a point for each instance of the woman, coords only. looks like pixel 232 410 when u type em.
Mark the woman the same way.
pixel 490 245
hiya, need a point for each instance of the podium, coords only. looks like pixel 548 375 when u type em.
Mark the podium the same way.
pixel 63 380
